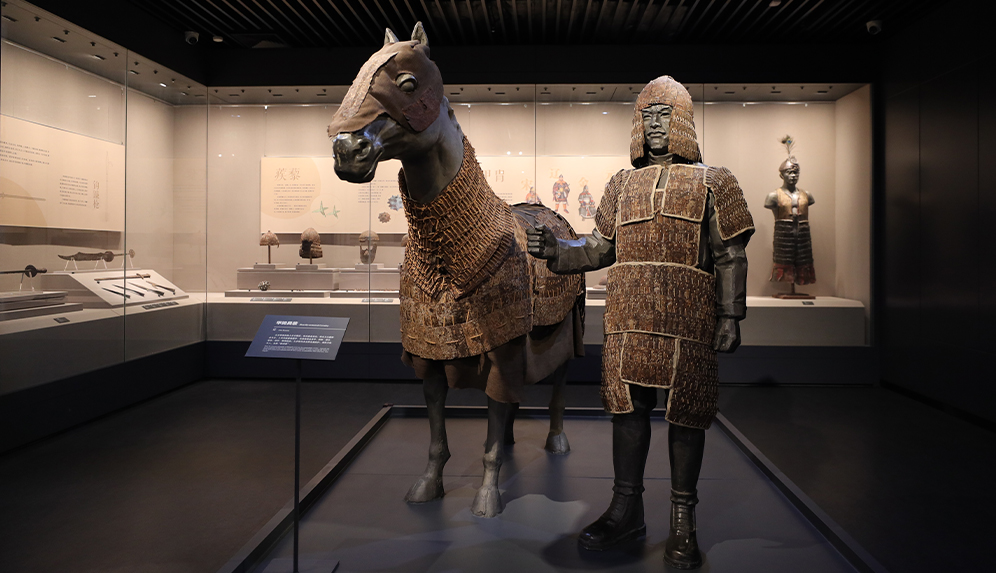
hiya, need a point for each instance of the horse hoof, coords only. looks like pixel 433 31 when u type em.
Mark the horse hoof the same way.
pixel 425 489
pixel 487 502
pixel 558 444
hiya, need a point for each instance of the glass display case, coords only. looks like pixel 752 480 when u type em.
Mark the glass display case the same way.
pixel 166 213
pixel 103 187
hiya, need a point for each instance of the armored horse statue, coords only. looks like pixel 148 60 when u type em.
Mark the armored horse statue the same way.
pixel 477 311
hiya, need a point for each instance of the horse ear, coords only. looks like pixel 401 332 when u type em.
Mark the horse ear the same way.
pixel 389 37
pixel 418 35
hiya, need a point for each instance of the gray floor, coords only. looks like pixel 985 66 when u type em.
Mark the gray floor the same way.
pixel 181 482
pixel 745 524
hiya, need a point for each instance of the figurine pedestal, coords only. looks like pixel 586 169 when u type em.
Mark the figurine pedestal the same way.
pixel 298 278
pixel 309 266
pixel 265 266
pixel 370 277
pixel 111 288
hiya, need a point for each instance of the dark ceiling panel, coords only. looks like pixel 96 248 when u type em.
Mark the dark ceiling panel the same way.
pixel 332 23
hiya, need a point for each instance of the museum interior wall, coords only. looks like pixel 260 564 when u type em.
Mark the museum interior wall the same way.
pixel 187 196
pixel 939 288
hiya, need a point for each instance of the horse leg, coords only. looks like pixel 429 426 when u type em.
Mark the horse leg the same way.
pixel 487 502
pixel 556 440
pixel 430 485
pixel 513 408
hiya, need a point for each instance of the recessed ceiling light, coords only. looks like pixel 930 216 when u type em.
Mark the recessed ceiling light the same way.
pixel 58 39
pixel 774 3
pixel 133 72
pixel 183 93
pixel 91 95
pixel 162 84
pixel 218 39
pixel 98 57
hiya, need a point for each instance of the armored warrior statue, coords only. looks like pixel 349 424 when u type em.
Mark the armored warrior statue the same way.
pixel 793 244
pixel 560 192
pixel 676 230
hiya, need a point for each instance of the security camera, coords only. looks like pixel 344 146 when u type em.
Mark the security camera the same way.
pixel 874 26
pixel 191 37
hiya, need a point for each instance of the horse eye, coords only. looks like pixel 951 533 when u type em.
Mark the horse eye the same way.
pixel 406 83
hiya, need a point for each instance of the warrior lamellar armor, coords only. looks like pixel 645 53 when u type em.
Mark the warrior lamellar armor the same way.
pixel 676 231
pixel 674 274
pixel 467 287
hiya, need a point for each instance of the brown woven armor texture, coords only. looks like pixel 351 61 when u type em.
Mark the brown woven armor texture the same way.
pixel 731 207
pixel 462 236
pixel 649 359
pixel 670 300
pixel 553 295
pixel 694 396
pixel 685 196
pixel 605 216
pixel 688 370
pixel 636 200
pixel 467 286
pixel 661 239
pixel 665 90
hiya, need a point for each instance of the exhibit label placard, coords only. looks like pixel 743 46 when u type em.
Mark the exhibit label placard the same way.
pixel 302 337
pixel 51 178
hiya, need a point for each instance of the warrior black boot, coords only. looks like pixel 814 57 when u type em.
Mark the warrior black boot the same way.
pixel 686 445
pixel 623 520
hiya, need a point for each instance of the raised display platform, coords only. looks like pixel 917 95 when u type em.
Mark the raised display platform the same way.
pixel 746 523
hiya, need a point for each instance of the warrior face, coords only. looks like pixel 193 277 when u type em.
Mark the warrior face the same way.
pixel 678 127
pixel 656 127
pixel 789 172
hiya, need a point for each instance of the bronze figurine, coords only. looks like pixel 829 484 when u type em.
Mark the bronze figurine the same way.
pixel 676 231
pixel 476 310
pixel 793 244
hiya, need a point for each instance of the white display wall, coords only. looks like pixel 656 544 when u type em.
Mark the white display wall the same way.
pixel 531 144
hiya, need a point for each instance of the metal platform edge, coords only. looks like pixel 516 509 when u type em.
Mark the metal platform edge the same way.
pixel 255 551
pixel 848 547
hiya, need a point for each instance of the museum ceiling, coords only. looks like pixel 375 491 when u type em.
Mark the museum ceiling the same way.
pixel 345 23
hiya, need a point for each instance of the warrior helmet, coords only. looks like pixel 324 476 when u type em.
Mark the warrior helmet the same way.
pixel 665 90
pixel 269 239
pixel 311 244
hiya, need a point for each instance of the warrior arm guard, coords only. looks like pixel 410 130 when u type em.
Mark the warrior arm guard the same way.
pixel 730 264
pixel 588 253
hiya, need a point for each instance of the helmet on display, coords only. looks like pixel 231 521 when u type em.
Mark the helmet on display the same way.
pixel 269 239
pixel 311 244
pixel 665 90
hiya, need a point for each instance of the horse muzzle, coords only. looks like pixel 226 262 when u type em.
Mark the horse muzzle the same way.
pixel 356 157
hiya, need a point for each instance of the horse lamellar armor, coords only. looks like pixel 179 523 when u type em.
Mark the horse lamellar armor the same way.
pixel 660 314
pixel 467 286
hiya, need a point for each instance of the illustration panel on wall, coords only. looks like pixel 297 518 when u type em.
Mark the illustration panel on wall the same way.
pixel 301 192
